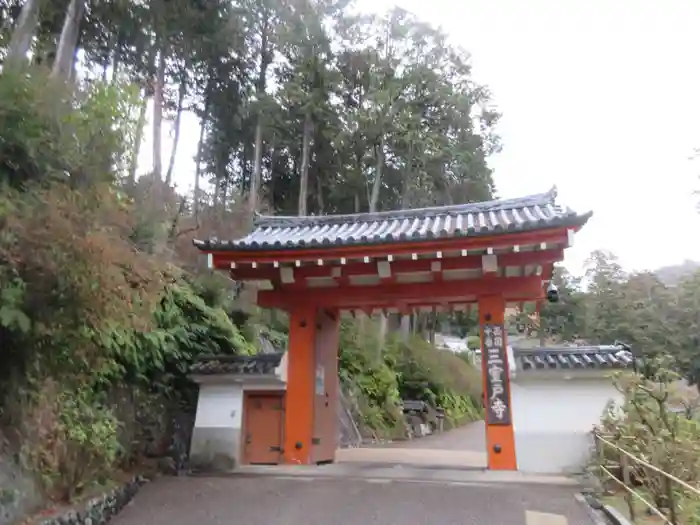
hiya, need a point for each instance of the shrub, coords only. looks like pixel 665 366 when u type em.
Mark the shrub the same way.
pixel 473 342
pixel 69 439
pixel 380 377
pixel 81 308
pixel 646 427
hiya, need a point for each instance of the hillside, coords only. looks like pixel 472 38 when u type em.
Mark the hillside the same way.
pixel 672 275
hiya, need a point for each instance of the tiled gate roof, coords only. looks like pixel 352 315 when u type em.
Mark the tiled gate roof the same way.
pixel 261 364
pixel 572 357
pixel 476 219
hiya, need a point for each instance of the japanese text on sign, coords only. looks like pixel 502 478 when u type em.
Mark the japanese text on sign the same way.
pixel 494 362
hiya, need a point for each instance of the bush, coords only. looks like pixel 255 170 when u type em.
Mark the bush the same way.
pixel 81 309
pixel 69 439
pixel 440 378
pixel 369 380
pixel 379 378
pixel 474 342
pixel 646 427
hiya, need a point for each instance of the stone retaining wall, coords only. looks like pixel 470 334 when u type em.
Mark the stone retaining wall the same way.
pixel 98 511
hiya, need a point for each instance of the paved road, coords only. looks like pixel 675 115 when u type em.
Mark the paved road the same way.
pixel 470 437
pixel 269 500
pixel 463 447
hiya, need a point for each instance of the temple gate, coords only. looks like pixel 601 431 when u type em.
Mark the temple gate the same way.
pixel 445 258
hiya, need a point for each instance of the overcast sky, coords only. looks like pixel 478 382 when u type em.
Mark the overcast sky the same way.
pixel 600 98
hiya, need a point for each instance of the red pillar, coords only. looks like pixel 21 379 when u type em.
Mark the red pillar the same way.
pixel 500 436
pixel 299 403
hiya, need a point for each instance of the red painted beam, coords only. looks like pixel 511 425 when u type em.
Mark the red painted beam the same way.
pixel 282 255
pixel 471 262
pixel 407 307
pixel 511 288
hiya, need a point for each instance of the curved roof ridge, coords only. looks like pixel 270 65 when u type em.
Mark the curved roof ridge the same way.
pixel 499 216
pixel 538 199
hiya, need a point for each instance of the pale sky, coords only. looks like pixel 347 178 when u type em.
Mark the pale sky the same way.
pixel 600 98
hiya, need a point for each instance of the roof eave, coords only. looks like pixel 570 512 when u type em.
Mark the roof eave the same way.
pixel 277 221
pixel 574 221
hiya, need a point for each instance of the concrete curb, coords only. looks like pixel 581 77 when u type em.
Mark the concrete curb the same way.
pixel 402 473
pixel 600 513
pixel 614 516
pixel 596 516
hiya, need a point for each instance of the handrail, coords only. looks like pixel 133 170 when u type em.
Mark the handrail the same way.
pixel 647 464
pixel 636 494
pixel 625 483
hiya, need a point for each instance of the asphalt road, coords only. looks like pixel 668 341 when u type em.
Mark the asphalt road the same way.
pixel 269 500
pixel 471 437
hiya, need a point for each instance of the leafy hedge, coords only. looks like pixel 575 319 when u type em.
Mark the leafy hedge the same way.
pixel 378 379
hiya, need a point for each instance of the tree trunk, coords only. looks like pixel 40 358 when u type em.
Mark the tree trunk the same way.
pixel 265 60
pixel 116 63
pixel 376 186
pixel 246 174
pixel 67 44
pixel 274 159
pixel 198 167
pixel 320 202
pixel 373 204
pixel 405 327
pixel 158 101
pixel 224 196
pixel 138 139
pixel 408 181
pixel 176 126
pixel 22 36
pixel 305 155
pixel 432 328
pixel 257 167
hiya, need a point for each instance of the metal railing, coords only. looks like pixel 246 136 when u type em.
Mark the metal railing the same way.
pixel 627 465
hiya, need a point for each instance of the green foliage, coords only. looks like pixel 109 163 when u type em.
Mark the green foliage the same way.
pixel 646 427
pixel 440 378
pixel 70 439
pixel 184 328
pixel 411 370
pixel 11 299
pixel 49 133
pixel 638 309
pixel 370 378
pixel 81 310
pixel 473 342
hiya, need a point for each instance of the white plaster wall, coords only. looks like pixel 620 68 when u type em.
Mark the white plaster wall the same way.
pixel 553 420
pixel 281 370
pixel 219 406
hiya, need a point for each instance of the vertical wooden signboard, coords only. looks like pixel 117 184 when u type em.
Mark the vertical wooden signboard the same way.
pixel 495 363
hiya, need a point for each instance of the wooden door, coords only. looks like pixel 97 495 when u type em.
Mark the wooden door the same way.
pixel 263 428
